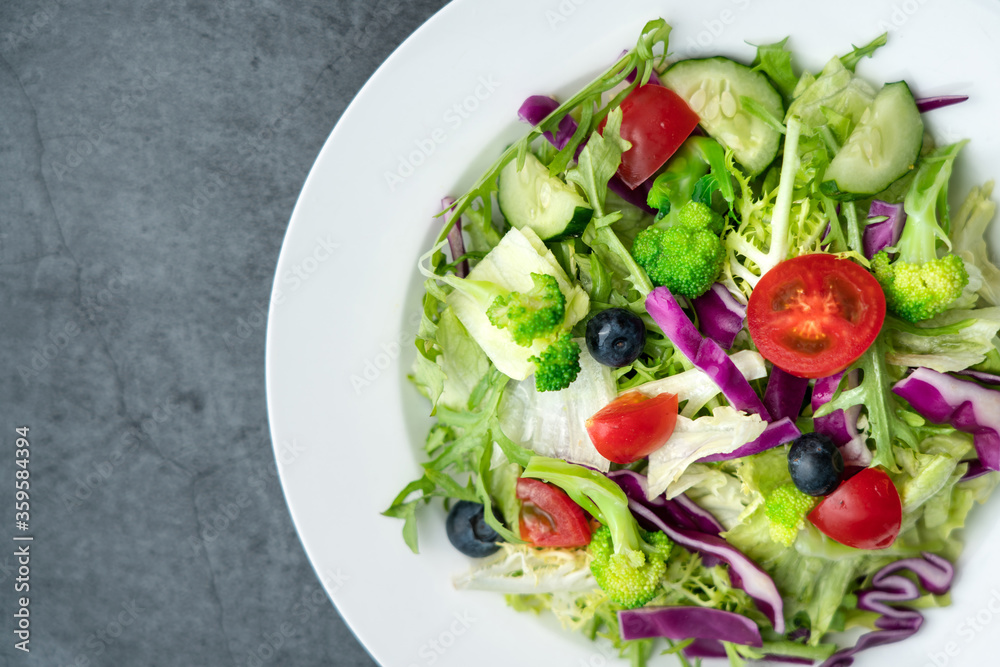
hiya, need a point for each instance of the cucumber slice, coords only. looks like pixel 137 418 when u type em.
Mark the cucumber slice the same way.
pixel 713 88
pixel 837 95
pixel 533 198
pixel 881 149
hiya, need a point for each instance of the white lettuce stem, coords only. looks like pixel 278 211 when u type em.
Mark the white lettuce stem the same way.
pixel 780 217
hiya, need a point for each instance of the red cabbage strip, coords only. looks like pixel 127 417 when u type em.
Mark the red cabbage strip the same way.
pixel 635 197
pixel 681 514
pixel 775 434
pixel 455 241
pixel 784 394
pixel 896 624
pixel 930 103
pixel 705 520
pixel 743 572
pixel 836 425
pixel 634 486
pixel 682 511
pixel 980 376
pixel 976 469
pixel 653 78
pixel 705 354
pixel 841 426
pixel 536 108
pixel 720 315
pixel 967 406
pixel 710 648
pixel 881 235
pixel 687 623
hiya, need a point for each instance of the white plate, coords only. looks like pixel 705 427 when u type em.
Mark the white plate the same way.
pixel 345 422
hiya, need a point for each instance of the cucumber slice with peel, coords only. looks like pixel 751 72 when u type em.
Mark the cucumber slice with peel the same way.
pixel 882 148
pixel 533 198
pixel 714 89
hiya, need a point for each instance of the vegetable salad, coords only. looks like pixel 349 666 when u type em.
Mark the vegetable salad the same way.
pixel 713 360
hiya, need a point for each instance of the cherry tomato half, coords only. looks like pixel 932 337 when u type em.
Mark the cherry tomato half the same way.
pixel 549 518
pixel 633 426
pixel 813 315
pixel 656 121
pixel 864 512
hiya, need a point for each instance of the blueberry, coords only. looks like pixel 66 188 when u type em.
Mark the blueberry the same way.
pixel 815 464
pixel 615 337
pixel 468 531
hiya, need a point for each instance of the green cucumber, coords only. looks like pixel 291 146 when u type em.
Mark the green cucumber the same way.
pixel 534 198
pixel 714 88
pixel 882 148
pixel 837 98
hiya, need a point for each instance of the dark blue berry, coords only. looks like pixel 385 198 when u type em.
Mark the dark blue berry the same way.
pixel 615 337
pixel 468 531
pixel 815 464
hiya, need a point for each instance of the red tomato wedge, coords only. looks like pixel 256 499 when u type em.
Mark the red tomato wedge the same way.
pixel 656 121
pixel 549 518
pixel 814 315
pixel 864 512
pixel 633 426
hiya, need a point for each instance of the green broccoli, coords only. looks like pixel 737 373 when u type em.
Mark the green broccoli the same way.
pixel 629 577
pixel 919 285
pixel 558 365
pixel 532 314
pixel 786 510
pixel 627 562
pixel 687 256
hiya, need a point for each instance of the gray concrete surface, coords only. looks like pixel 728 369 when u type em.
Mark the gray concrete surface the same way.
pixel 151 152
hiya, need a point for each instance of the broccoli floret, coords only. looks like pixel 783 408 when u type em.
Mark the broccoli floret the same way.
pixel 685 257
pixel 627 562
pixel 786 510
pixel 700 216
pixel 629 577
pixel 532 314
pixel 558 365
pixel 919 285
pixel 919 291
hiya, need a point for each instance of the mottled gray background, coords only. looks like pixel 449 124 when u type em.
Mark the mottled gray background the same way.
pixel 151 152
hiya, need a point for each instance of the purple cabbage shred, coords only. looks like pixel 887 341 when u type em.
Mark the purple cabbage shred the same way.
pixel 895 624
pixel 705 354
pixel 720 315
pixel 456 244
pixel 925 104
pixel 881 235
pixel 965 405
